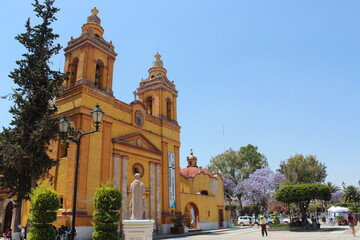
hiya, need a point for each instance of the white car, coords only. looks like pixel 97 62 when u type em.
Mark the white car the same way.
pixel 245 220
pixel 285 220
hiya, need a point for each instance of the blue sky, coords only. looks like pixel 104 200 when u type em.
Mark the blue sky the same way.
pixel 281 75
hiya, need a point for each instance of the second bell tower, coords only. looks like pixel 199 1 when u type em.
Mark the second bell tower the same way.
pixel 158 93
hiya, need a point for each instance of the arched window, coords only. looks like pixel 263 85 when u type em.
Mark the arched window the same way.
pixel 149 104
pixel 99 72
pixel 73 71
pixel 168 109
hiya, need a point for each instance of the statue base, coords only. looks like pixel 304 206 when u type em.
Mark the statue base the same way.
pixel 138 229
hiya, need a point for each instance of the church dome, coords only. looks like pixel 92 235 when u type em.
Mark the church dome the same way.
pixel 193 171
pixel 94 19
pixel 158 62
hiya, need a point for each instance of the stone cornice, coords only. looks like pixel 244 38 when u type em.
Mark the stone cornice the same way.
pixel 90 38
pixel 99 94
pixel 157 85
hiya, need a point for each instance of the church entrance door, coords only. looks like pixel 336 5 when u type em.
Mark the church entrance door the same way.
pixel 191 216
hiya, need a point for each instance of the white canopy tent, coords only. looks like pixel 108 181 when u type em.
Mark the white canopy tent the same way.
pixel 332 210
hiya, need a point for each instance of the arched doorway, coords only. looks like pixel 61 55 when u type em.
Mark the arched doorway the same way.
pixel 8 216
pixel 191 216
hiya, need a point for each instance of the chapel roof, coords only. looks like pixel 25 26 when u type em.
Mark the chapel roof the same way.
pixel 193 171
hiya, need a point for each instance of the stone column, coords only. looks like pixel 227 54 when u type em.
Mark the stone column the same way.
pixel 152 190
pixel 116 170
pixel 158 197
pixel 125 161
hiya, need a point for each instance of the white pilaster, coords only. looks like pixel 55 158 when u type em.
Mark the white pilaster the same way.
pixel 152 190
pixel 158 197
pixel 116 170
pixel 125 160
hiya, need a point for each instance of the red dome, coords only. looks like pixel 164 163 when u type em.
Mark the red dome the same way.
pixel 192 171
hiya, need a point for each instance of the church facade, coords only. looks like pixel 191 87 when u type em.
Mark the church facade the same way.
pixel 140 137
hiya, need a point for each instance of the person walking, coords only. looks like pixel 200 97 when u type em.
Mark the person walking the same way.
pixel 262 223
pixel 351 222
pixel 314 222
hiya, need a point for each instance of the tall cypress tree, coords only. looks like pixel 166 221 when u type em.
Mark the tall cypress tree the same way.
pixel 24 145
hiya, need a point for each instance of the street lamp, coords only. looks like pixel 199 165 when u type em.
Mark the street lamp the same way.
pixel 65 134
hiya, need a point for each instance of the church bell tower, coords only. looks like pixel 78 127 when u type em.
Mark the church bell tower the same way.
pixel 89 59
pixel 158 93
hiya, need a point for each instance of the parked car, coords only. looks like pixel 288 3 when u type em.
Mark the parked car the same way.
pixel 285 220
pixel 245 220
pixel 270 220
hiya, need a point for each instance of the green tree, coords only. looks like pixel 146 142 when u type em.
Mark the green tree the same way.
pixel 44 204
pixel 333 187
pixel 302 194
pixel 238 165
pixel 351 194
pixel 299 169
pixel 24 145
pixel 107 201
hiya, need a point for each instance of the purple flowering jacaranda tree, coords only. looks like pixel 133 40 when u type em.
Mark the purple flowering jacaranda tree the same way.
pixel 229 193
pixel 259 189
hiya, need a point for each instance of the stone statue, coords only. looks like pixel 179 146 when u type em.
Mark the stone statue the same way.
pixel 137 206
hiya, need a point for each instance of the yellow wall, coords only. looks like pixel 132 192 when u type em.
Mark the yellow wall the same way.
pixel 191 187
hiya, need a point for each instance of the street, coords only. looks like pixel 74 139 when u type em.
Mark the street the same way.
pixel 327 233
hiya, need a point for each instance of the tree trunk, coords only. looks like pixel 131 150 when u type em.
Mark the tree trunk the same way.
pixel 240 202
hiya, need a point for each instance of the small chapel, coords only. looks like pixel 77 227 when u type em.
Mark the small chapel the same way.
pixel 141 137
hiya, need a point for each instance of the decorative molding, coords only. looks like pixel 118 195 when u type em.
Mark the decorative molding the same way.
pixel 122 106
pixel 90 38
pixel 157 85
pixel 139 141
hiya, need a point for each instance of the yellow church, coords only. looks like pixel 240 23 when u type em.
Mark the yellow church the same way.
pixel 140 137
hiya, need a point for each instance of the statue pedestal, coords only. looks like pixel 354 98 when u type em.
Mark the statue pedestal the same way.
pixel 138 229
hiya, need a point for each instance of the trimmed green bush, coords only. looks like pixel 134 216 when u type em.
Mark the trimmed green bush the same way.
pixel 107 200
pixel 107 197
pixel 105 227
pixel 101 235
pixel 43 216
pixel 44 204
pixel 105 216
pixel 39 231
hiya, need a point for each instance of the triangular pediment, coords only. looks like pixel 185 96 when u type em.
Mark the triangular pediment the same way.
pixel 137 140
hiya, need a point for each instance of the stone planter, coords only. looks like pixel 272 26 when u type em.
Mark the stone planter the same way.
pixel 285 228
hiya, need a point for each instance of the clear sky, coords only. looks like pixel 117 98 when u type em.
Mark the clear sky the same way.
pixel 281 75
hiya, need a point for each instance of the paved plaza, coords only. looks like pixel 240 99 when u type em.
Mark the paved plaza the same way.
pixel 326 233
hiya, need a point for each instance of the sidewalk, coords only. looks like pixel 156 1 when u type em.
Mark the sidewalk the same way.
pixel 203 232
pixel 200 232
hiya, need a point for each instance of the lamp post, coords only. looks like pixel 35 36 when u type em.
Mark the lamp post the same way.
pixel 65 134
